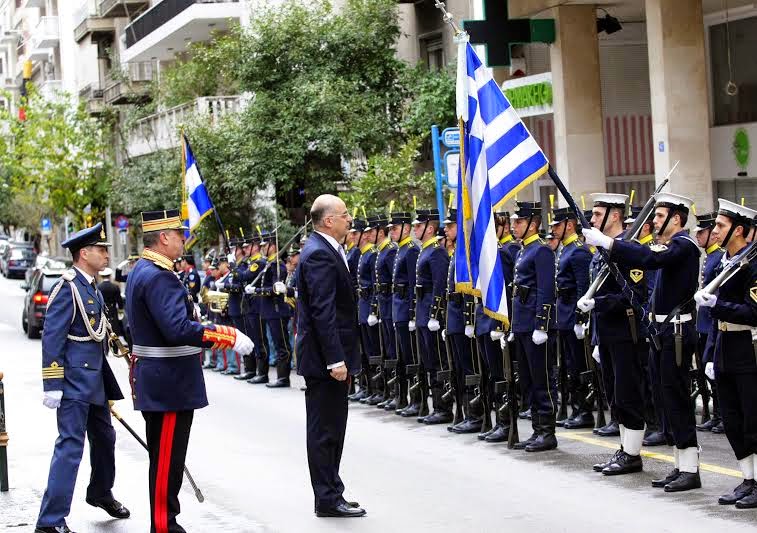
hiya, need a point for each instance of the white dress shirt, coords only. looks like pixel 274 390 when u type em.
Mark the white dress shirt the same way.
pixel 338 247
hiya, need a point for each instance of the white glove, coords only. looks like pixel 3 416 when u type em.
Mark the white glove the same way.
pixel 496 335
pixel 595 237
pixel 249 289
pixel 220 285
pixel 503 342
pixel 580 331
pixel 511 337
pixel 709 371
pixel 372 320
pixel 231 258
pixel 585 304
pixel 444 335
pixel 470 331
pixel 595 354
pixel 279 287
pixel 411 325
pixel 705 299
pixel 433 325
pixel 243 345
pixel 539 337
pixel 52 398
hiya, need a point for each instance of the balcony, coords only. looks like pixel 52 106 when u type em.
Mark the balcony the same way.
pixel 87 21
pixel 46 34
pixel 92 96
pixel 130 86
pixel 161 130
pixel 52 90
pixel 165 29
pixel 122 8
pixel 33 3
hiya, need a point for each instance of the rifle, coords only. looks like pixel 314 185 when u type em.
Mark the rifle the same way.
pixel 511 400
pixel 597 388
pixel 279 253
pixel 562 375
pixel 733 267
pixel 699 386
pixel 452 392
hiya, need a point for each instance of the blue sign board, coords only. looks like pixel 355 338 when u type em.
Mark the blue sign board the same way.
pixel 451 137
pixel 46 224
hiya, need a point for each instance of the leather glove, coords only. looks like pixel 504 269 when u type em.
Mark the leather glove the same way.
pixel 372 320
pixel 52 398
pixel 433 325
pixel 279 287
pixel 709 371
pixel 705 299
pixel 243 345
pixel 595 354
pixel 595 237
pixel 444 335
pixel 249 289
pixel 539 337
pixel 232 259
pixel 411 325
pixel 470 331
pixel 586 304
pixel 511 337
pixel 496 335
pixel 580 331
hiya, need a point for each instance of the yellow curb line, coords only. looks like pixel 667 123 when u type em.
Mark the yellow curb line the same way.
pixel 573 435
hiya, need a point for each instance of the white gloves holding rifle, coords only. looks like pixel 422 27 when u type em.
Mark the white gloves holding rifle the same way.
pixel 705 299
pixel 595 237
pixel 279 287
pixel 433 325
pixel 586 304
pixel 372 320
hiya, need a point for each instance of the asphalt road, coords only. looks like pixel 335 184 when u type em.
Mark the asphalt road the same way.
pixel 247 453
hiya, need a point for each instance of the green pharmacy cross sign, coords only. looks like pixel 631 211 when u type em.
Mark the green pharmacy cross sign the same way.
pixel 741 150
pixel 498 32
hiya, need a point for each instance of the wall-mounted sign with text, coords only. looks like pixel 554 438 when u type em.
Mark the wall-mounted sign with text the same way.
pixel 530 95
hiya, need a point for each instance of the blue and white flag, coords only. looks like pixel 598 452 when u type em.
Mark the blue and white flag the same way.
pixel 197 199
pixel 498 158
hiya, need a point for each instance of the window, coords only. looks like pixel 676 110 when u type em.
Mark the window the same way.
pixel 741 107
pixel 432 52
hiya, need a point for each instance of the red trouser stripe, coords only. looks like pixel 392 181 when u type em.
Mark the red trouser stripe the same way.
pixel 160 505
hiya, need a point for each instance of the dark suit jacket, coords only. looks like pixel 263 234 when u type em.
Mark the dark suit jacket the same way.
pixel 327 329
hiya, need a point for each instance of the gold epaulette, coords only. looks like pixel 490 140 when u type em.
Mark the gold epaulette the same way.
pixel 54 371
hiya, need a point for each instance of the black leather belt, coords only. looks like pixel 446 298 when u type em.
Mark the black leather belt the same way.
pixel 423 290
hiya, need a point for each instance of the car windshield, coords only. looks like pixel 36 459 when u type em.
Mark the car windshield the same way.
pixel 21 253
pixel 48 282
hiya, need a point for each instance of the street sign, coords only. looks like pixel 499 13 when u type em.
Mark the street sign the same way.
pixel 452 166
pixel 451 137
pixel 122 222
pixel 46 226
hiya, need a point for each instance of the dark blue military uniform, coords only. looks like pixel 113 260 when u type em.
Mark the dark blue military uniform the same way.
pixel 533 309
pixel 430 288
pixel 251 312
pixel 572 282
pixel 403 301
pixel 677 281
pixel 192 283
pixel 353 256
pixel 275 313
pixel 382 298
pixel 73 362
pixel 371 354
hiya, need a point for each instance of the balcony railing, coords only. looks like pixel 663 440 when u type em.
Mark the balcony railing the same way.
pixel 122 8
pixel 46 34
pixel 131 85
pixel 87 21
pixel 159 14
pixel 92 95
pixel 161 130
pixel 51 89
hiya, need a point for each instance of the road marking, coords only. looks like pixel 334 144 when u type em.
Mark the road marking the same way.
pixel 579 436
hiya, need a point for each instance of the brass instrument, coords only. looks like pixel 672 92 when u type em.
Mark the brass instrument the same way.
pixel 204 295
pixel 217 301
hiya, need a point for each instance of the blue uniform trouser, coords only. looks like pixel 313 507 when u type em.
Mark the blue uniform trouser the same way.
pixel 492 357
pixel 536 365
pixel 462 357
pixel 433 352
pixel 256 331
pixel 387 339
pixel 626 381
pixel 278 327
pixel 75 420
pixel 405 348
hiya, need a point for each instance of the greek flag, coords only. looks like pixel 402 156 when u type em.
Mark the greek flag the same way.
pixel 498 158
pixel 197 199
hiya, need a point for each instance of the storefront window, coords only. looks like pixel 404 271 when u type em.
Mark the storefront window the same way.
pixel 741 107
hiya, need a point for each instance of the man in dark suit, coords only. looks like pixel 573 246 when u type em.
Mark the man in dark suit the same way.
pixel 327 348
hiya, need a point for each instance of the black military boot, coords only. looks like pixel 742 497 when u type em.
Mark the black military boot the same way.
pixel 656 438
pixel 601 466
pixel 584 418
pixel 472 421
pixel 283 369
pixel 261 372
pixel 400 389
pixel 501 429
pixel 249 366
pixel 415 394
pixel 545 440
pixel 442 411
pixel 744 489
pixel 672 476
pixel 719 429
pixel 623 464
pixel 610 430
pixel 530 440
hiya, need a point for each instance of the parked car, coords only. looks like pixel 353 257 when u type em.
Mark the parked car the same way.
pixel 50 263
pixel 35 303
pixel 17 258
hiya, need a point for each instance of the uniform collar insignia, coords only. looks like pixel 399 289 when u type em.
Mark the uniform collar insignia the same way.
pixel 271 258
pixel 404 241
pixel 572 238
pixel 647 239
pixel 713 248
pixel 157 258
pixel 350 245
pixel 529 240
pixel 367 247
pixel 507 238
pixel 432 241
pixel 636 275
pixel 384 244
pixel 256 257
